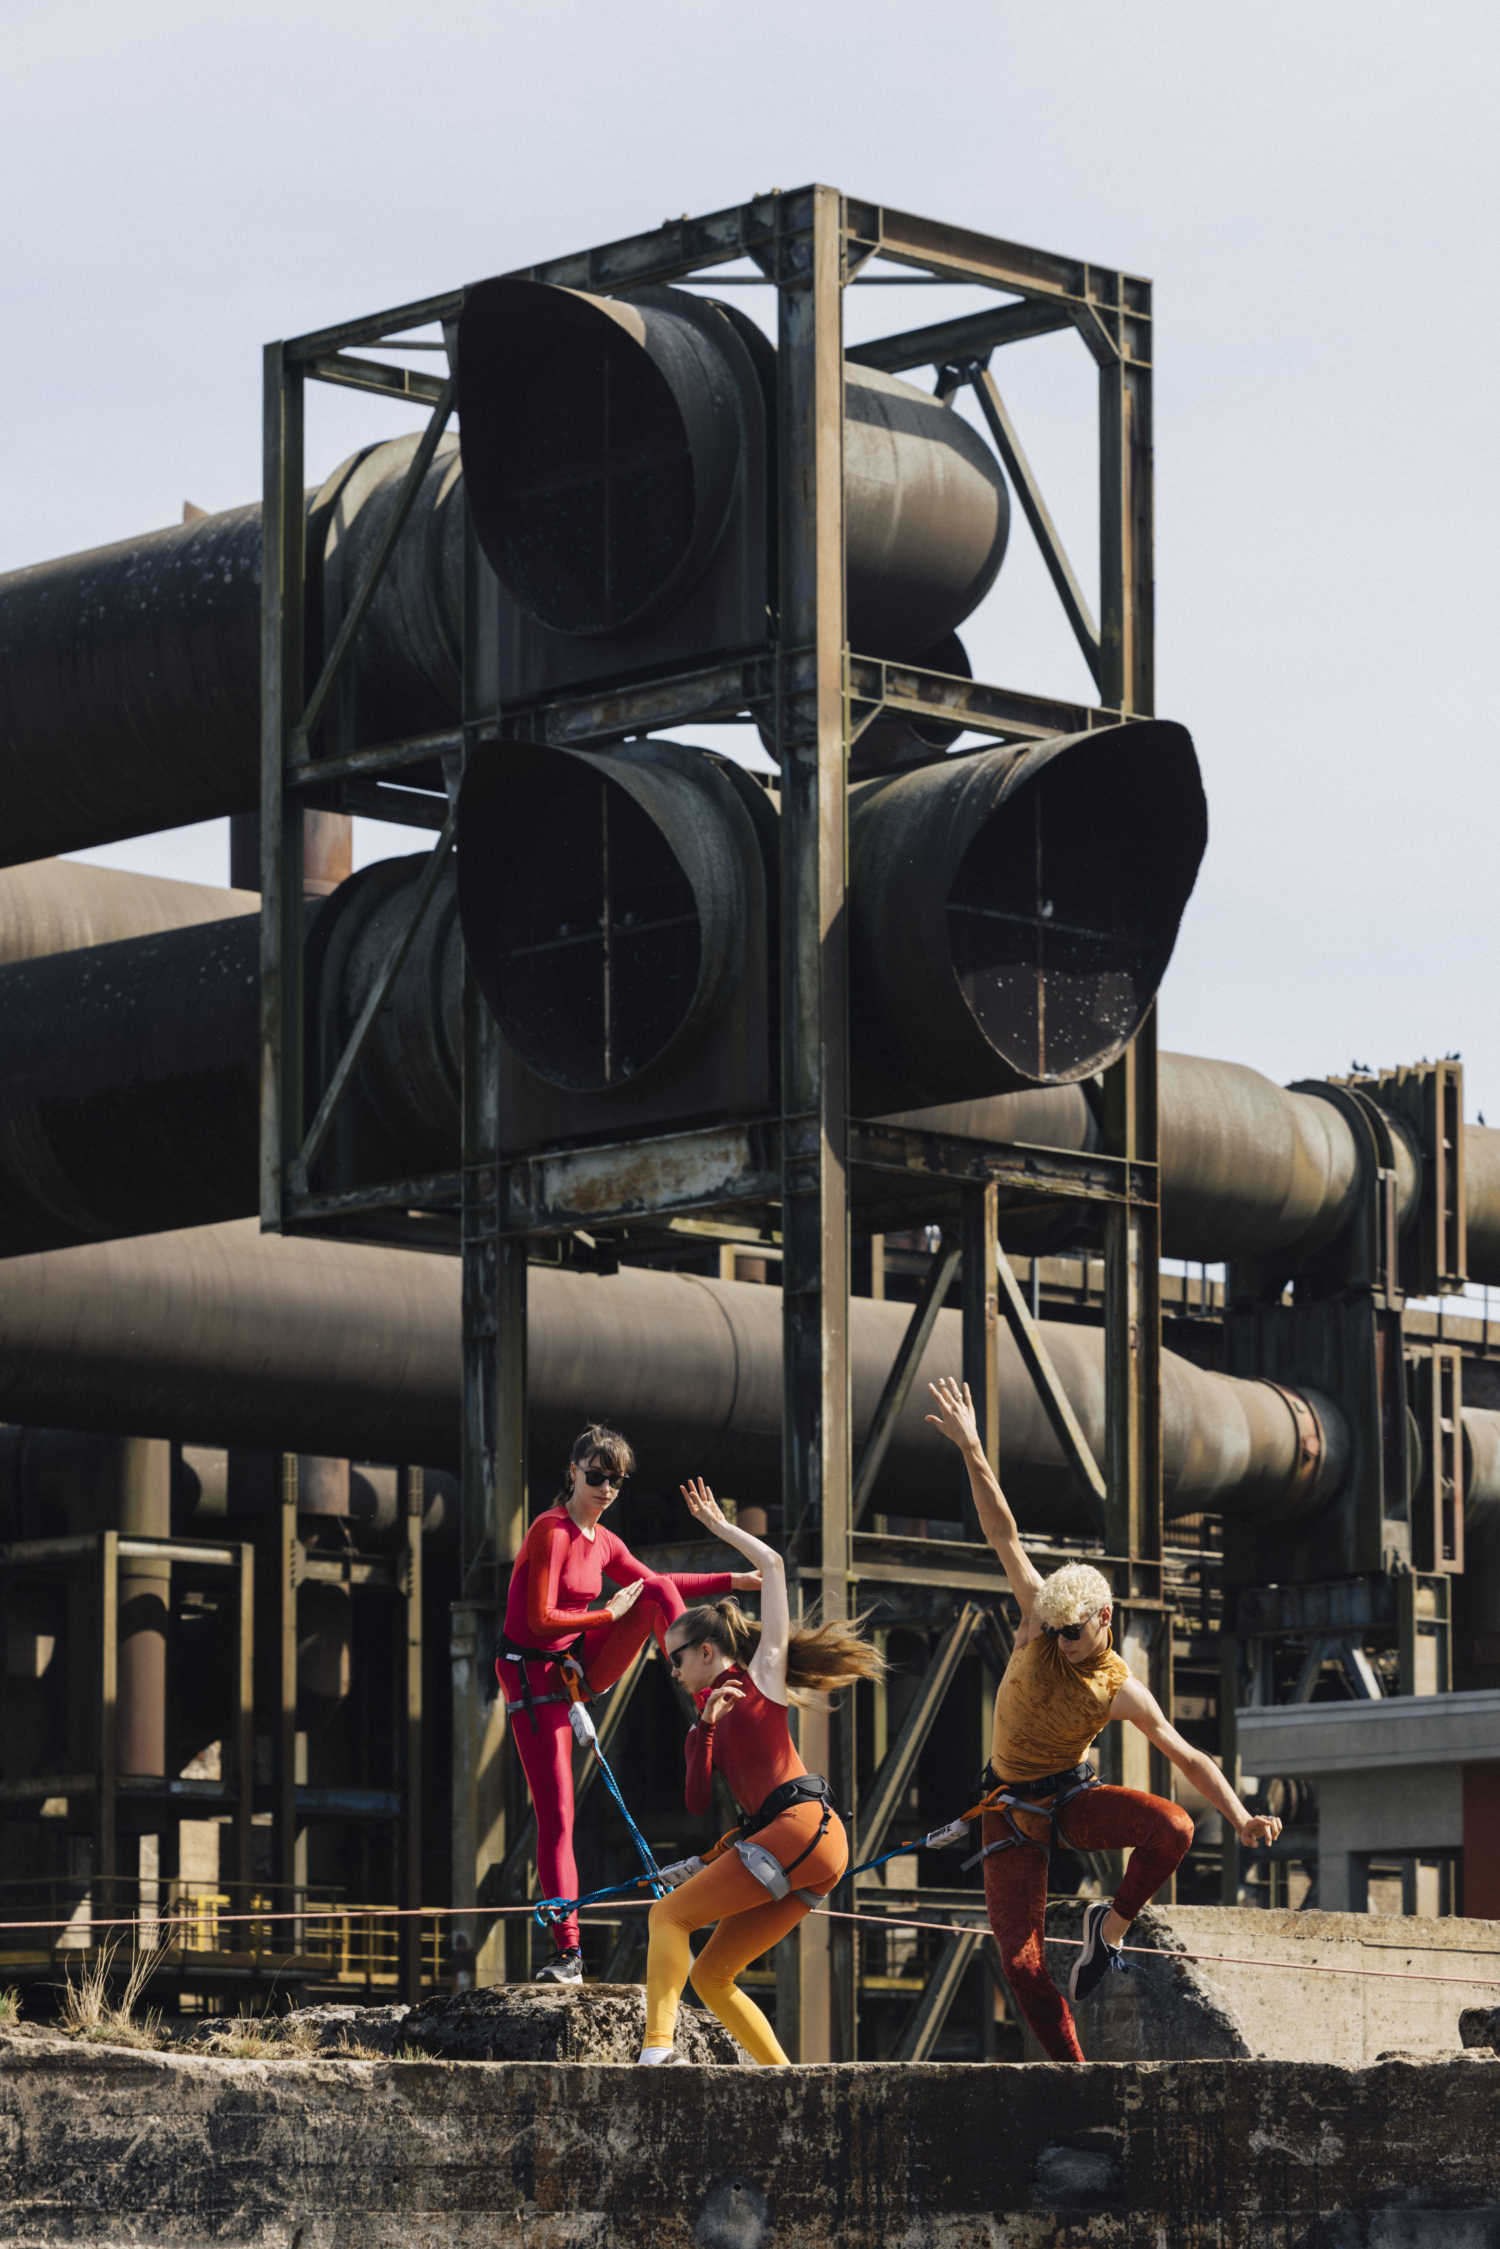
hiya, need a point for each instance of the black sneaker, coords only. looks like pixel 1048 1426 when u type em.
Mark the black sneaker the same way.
pixel 1096 1959
pixel 566 1968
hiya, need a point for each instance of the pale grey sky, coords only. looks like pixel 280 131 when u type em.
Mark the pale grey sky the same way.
pixel 1310 186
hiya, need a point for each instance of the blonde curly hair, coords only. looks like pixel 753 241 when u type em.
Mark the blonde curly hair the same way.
pixel 1071 1594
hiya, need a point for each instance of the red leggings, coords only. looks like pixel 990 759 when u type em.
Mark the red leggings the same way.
pixel 1015 1890
pixel 606 1652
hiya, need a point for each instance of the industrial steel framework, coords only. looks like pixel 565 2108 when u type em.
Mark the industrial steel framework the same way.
pixel 803 1176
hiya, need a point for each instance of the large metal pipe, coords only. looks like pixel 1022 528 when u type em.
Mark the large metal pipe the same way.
pixel 129 1092
pixel 226 1335
pixel 130 675
pixel 64 905
pixel 1247 1165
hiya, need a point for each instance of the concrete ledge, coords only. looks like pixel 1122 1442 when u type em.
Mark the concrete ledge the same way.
pixel 1337 1737
pixel 110 2148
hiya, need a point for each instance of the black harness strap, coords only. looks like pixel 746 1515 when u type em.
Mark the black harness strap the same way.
pixel 805 1788
pixel 512 1650
pixel 1063 1788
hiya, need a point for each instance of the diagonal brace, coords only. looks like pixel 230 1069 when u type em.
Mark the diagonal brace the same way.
pixel 877 1804
pixel 904 1373
pixel 924 2025
pixel 1059 569
pixel 380 992
pixel 1038 1363
pixel 421 461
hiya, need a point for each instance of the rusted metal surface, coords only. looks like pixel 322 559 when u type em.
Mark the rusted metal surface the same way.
pixel 1038 893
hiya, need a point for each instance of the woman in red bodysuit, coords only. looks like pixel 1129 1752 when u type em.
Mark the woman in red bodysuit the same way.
pixel 742 1676
pixel 557 1624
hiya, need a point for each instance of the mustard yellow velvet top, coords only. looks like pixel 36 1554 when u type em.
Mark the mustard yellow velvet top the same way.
pixel 1048 1711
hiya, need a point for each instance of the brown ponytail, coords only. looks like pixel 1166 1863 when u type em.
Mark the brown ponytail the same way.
pixel 606 1446
pixel 820 1657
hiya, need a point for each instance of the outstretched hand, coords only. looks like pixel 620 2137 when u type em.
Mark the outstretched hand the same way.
pixel 704 1506
pixel 1260 1830
pixel 955 1414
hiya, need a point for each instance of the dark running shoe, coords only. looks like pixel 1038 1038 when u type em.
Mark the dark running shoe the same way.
pixel 566 1968
pixel 1097 1958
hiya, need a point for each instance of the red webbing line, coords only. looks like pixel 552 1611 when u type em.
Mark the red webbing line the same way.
pixel 1229 1959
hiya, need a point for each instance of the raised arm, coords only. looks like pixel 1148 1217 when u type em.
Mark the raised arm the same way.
pixel 955 1418
pixel 1140 1707
pixel 768 1665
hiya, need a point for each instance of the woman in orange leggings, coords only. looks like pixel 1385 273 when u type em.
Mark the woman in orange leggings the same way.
pixel 792 1849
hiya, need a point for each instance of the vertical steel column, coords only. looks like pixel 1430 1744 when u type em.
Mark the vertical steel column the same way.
pixel 289 1574
pixel 109 1655
pixel 1127 590
pixel 283 569
pixel 489 1793
pixel 408 1670
pixel 811 732
pixel 979 1291
pixel 244 1727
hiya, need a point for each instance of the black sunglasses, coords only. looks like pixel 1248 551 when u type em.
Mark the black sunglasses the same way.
pixel 594 1477
pixel 1067 1631
pixel 675 1655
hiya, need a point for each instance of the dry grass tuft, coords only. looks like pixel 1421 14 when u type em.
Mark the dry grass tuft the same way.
pixel 88 2011
pixel 10 2005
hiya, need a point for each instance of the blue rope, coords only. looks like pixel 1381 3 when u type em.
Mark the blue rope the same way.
pixel 550 1910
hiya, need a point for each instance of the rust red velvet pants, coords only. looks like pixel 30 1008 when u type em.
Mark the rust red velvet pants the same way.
pixel 1157 1835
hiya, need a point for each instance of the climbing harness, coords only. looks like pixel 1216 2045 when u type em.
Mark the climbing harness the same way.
pixel 551 1910
pixel 998 1796
pixel 507 1649
pixel 803 1788
pixel 1009 1797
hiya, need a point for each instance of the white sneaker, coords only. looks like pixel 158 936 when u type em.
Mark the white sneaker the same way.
pixel 655 2057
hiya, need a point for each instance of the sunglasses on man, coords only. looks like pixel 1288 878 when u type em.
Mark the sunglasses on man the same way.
pixel 1067 1631
pixel 595 1477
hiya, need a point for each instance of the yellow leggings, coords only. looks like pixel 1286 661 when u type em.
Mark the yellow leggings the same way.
pixel 749 1921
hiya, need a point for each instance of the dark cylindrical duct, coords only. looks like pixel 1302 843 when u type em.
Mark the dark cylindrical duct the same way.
pixel 604 438
pixel 1482 1201
pixel 225 1334
pixel 130 675
pixel 1011 914
pixel 127 1086
pixel 591 1000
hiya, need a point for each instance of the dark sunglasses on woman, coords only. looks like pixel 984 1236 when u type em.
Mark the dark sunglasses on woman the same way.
pixel 1066 1631
pixel 594 1477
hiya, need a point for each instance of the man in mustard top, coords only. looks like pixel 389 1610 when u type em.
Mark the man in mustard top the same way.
pixel 1062 1686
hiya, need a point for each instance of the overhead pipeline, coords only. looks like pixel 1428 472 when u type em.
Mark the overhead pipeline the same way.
pixel 130 674
pixel 129 1093
pixel 1247 1166
pixel 226 1335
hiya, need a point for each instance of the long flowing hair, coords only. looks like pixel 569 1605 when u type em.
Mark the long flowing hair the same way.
pixel 821 1656
pixel 606 1446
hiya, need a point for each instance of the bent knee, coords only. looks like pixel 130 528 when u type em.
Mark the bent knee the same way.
pixel 1179 1822
pixel 705 1978
pixel 663 1915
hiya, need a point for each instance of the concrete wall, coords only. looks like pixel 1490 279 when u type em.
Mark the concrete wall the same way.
pixel 1264 1999
pixel 100 2147
pixel 1405 1810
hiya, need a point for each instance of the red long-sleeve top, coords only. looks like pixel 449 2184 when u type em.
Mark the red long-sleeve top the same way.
pixel 559 1575
pixel 751 1746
